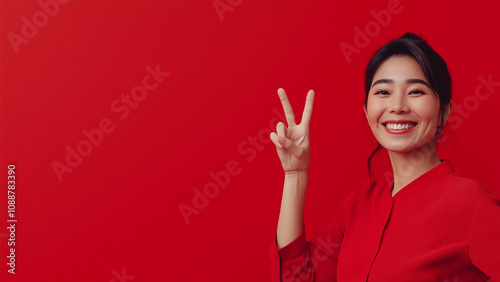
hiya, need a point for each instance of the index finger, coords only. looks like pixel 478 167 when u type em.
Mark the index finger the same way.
pixel 308 108
pixel 290 116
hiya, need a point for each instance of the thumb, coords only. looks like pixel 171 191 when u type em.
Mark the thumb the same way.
pixel 296 150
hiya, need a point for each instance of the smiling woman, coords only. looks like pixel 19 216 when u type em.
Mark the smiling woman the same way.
pixel 428 224
pixel 404 114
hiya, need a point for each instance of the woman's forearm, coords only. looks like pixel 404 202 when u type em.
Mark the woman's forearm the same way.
pixel 291 218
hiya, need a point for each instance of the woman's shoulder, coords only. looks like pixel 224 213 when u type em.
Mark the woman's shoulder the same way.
pixel 467 187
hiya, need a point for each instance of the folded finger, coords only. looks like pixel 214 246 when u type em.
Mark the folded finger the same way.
pixel 281 129
pixel 274 138
pixel 288 144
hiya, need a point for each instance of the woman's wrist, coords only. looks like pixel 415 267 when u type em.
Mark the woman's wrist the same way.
pixel 297 173
pixel 296 179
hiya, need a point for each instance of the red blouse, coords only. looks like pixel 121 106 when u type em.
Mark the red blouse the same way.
pixel 440 227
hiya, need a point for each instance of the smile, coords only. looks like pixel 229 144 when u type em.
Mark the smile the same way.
pixel 398 128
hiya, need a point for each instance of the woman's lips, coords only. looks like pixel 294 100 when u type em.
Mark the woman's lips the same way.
pixel 399 127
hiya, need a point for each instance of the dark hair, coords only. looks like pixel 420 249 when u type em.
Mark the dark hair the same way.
pixel 433 66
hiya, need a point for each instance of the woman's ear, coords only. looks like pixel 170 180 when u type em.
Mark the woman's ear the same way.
pixel 447 111
pixel 366 114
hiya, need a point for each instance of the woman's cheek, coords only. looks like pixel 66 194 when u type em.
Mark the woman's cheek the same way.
pixel 375 110
pixel 427 111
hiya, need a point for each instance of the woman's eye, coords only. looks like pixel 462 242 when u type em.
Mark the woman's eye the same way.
pixel 417 92
pixel 383 92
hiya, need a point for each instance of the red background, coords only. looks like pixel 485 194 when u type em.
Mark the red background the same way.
pixel 119 208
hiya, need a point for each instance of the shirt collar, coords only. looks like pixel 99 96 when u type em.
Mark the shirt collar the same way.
pixel 423 182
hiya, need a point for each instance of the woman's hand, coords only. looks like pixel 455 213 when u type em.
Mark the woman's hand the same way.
pixel 292 142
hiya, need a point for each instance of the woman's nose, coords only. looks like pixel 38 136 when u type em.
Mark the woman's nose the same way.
pixel 398 103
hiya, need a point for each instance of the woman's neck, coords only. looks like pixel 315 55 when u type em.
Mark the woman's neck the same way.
pixel 408 166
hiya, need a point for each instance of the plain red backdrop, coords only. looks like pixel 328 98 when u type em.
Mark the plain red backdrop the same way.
pixel 117 214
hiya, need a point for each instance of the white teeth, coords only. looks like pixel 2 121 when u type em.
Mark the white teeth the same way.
pixel 399 126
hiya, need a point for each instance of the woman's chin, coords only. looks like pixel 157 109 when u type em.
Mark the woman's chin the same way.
pixel 400 148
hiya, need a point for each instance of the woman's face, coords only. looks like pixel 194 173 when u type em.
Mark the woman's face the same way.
pixel 402 111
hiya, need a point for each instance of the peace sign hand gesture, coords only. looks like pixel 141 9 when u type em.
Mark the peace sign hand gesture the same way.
pixel 292 142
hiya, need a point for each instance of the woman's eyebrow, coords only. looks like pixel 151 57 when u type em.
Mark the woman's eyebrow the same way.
pixel 417 80
pixel 383 80
pixel 408 81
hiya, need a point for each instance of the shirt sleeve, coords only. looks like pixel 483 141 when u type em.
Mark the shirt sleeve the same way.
pixel 484 248
pixel 302 260
pixel 314 260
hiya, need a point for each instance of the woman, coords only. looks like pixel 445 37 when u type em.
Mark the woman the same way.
pixel 428 224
